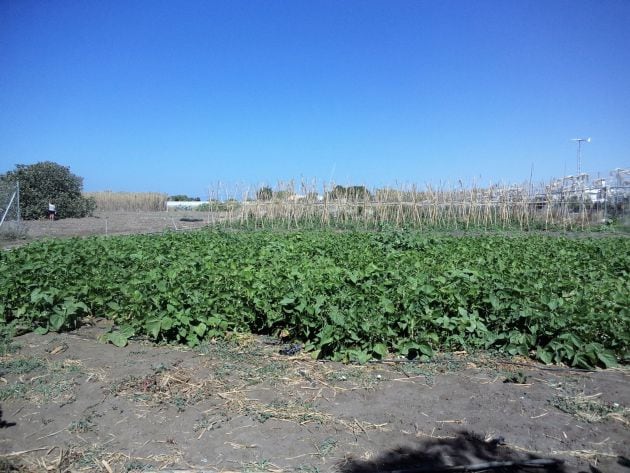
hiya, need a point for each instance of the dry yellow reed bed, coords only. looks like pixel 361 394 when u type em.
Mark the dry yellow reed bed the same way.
pixel 125 201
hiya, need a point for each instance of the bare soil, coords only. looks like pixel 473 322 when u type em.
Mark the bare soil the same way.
pixel 71 403
pixel 125 223
pixel 111 223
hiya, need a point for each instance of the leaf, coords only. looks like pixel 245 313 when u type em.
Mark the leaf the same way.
pixel 387 305
pixel 153 326
pixel 114 306
pixel 326 335
pixel 192 340
pixel 581 361
pixel 41 330
pixel 36 295
pixel 127 330
pixel 607 358
pixel 425 349
pixel 543 356
pixel 166 323
pixel 57 320
pixel 380 349
pixel 117 338
pixel 336 317
pixel 200 329
pixel 494 301
pixel 360 356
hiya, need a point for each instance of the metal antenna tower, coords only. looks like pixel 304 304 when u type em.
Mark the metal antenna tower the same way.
pixel 579 151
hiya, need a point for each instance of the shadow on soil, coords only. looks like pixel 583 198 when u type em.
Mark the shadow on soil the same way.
pixel 465 452
pixel 4 424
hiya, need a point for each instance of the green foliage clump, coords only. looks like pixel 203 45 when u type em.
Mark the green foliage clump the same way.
pixel 47 182
pixel 219 206
pixel 264 193
pixel 352 193
pixel 348 296
pixel 183 198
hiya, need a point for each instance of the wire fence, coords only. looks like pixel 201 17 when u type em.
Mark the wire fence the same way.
pixel 11 224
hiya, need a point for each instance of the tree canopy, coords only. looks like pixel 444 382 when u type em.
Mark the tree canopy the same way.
pixel 183 198
pixel 354 193
pixel 264 193
pixel 48 182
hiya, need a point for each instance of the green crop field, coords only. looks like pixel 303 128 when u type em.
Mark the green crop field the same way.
pixel 349 296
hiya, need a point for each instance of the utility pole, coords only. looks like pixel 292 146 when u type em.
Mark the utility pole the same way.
pixel 17 190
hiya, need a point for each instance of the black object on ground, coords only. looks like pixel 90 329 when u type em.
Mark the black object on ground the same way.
pixel 291 350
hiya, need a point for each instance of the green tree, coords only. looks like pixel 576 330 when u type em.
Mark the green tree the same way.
pixel 358 193
pixel 338 192
pixel 183 198
pixel 46 182
pixel 283 195
pixel 354 193
pixel 264 193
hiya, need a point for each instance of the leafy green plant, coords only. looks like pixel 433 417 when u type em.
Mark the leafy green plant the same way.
pixel 517 378
pixel 349 296
pixel 13 391
pixel 7 345
pixel 82 425
pixel 20 365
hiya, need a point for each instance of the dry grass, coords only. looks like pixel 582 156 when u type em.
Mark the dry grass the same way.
pixel 176 387
pixel 82 458
pixel 591 409
pixel 236 368
pixel 38 380
pixel 108 201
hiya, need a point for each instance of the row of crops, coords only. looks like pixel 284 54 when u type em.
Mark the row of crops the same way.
pixel 348 296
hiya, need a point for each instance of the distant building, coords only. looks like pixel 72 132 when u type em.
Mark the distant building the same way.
pixel 184 204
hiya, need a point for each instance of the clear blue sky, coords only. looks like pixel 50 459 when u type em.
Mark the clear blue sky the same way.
pixel 174 96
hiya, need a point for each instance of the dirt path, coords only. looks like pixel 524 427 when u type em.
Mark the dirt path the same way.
pixel 72 403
